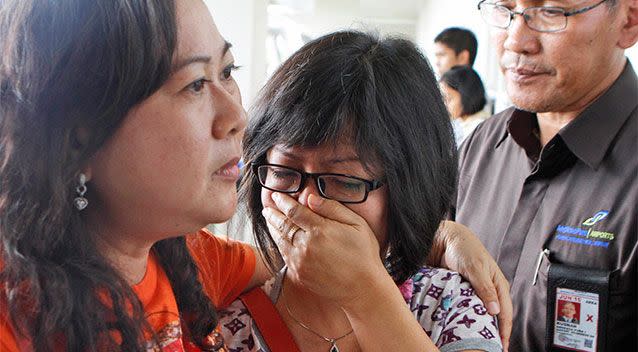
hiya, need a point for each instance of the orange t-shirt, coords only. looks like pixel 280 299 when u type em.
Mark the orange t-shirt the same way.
pixel 225 267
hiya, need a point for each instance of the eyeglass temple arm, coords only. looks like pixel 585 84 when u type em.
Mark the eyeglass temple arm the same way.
pixel 585 9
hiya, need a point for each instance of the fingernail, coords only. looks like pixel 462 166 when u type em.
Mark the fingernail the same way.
pixel 275 196
pixel 314 201
pixel 493 308
pixel 265 212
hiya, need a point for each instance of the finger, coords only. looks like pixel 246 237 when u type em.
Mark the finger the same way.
pixel 506 315
pixel 275 223
pixel 485 289
pixel 297 213
pixel 319 211
pixel 332 210
pixel 285 227
pixel 284 247
pixel 276 235
pixel 288 251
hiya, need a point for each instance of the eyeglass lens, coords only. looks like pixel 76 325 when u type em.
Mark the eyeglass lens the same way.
pixel 543 19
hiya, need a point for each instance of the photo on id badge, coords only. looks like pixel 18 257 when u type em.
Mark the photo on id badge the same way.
pixel 575 320
pixel 568 311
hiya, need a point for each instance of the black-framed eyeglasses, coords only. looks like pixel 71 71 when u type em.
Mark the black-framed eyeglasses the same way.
pixel 539 18
pixel 339 187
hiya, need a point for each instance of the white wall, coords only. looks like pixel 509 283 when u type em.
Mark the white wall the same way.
pixel 632 54
pixel 331 15
pixel 294 22
pixel 243 23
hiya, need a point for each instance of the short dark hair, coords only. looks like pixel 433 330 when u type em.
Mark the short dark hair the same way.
pixel 459 39
pixel 382 94
pixel 467 82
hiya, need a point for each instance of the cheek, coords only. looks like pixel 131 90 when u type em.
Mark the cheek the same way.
pixel 168 133
pixel 448 60
pixel 498 38
pixel 442 63
pixel 266 200
pixel 165 150
pixel 457 107
pixel 178 155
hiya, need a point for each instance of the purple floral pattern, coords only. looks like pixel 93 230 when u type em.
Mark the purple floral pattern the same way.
pixel 449 310
pixel 234 325
pixel 467 321
pixel 445 305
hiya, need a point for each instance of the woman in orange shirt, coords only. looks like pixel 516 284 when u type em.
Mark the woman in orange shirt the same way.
pixel 120 132
pixel 120 129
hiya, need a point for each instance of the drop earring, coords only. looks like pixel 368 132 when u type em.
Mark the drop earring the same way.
pixel 80 202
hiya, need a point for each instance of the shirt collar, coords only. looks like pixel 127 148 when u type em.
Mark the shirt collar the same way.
pixel 590 135
pixel 522 126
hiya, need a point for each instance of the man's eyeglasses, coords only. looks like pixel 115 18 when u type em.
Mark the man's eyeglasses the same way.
pixel 339 187
pixel 541 18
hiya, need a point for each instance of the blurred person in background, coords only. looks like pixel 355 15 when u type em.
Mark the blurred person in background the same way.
pixel 465 99
pixel 452 47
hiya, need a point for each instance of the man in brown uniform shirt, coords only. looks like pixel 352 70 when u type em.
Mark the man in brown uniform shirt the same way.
pixel 559 171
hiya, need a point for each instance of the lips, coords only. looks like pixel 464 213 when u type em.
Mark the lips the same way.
pixel 522 68
pixel 523 75
pixel 526 72
pixel 229 170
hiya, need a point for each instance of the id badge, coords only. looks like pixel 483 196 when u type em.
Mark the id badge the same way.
pixel 576 309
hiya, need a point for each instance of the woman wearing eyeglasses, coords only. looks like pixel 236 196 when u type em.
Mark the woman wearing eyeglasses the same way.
pixel 352 156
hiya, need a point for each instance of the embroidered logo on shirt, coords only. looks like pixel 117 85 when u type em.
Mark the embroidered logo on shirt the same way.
pixel 587 235
pixel 596 218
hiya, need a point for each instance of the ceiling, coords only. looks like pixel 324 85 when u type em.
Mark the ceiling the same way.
pixel 382 9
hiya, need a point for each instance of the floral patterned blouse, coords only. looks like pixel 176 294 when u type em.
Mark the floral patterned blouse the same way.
pixel 444 303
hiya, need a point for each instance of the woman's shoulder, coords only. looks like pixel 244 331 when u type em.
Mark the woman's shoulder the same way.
pixel 238 326
pixel 238 329
pixel 226 266
pixel 449 310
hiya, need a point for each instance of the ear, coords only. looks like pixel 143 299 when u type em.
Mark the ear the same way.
pixel 629 29
pixel 463 58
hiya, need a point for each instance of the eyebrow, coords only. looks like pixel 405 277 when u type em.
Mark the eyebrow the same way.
pixel 336 160
pixel 205 59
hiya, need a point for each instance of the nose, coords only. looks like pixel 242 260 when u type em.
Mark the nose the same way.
pixel 230 116
pixel 520 38
pixel 310 187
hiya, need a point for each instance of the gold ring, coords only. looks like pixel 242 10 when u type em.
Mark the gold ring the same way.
pixel 290 235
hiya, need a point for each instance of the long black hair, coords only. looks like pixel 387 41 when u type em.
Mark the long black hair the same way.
pixel 382 94
pixel 66 66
